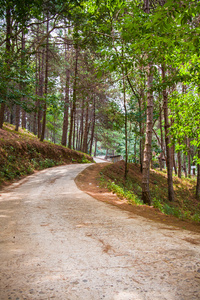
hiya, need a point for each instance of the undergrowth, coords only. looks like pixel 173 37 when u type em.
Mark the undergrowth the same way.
pixel 185 206
pixel 120 191
pixel 21 153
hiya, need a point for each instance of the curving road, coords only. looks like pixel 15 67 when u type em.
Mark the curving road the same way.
pixel 58 243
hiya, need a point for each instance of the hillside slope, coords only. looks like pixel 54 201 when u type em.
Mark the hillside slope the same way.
pixel 106 183
pixel 21 153
pixel 185 206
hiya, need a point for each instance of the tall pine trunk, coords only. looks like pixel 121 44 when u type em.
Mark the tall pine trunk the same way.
pixel 179 164
pixel 81 122
pixel 66 103
pixel 198 178
pixel 41 91
pixel 189 157
pixel 167 141
pixel 36 93
pixel 93 125
pixel 74 130
pixel 125 125
pixel 184 165
pixel 85 136
pixel 45 84
pixel 7 54
pixel 161 140
pixel 147 149
pixel 73 100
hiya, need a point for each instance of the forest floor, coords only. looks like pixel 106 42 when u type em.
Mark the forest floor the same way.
pixel 22 154
pixel 89 181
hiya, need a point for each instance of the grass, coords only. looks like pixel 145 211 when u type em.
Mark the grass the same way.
pixel 21 153
pixel 185 206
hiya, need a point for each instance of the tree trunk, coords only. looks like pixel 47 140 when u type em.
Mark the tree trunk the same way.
pixel 74 130
pixel 45 84
pixel 74 99
pixel 184 165
pixel 8 45
pixel 66 105
pixel 81 122
pixel 2 114
pixel 106 153
pixel 23 119
pixel 93 126
pixel 78 135
pixel 198 179
pixel 41 92
pixel 147 149
pixel 141 126
pixel 125 125
pixel 161 140
pixel 23 74
pixel 167 142
pixel 179 164
pixel 17 117
pixel 189 157
pixel 36 93
pixel 174 159
pixel 95 148
pixel 86 130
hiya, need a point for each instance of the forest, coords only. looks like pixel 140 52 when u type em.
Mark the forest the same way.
pixel 107 76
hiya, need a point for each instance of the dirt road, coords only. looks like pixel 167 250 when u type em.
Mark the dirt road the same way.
pixel 58 243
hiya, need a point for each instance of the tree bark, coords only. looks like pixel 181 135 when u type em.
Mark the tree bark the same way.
pixel 167 141
pixel 41 92
pixel 198 179
pixel 45 84
pixel 17 117
pixel 141 126
pixel 66 105
pixel 95 148
pixel 161 140
pixel 23 118
pixel 184 165
pixel 93 126
pixel 8 46
pixel 74 99
pixel 179 164
pixel 23 85
pixel 125 125
pixel 174 159
pixel 81 122
pixel 147 149
pixel 106 153
pixel 86 129
pixel 189 157
pixel 74 130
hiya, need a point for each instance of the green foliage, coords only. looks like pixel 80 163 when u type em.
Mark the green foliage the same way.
pixel 120 191
pixel 85 160
pixel 171 210
pixel 185 112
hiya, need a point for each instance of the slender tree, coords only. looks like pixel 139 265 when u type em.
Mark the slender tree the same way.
pixel 46 82
pixel 167 140
pixel 147 149
pixel 7 55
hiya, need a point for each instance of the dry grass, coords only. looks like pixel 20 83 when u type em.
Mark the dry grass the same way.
pixel 22 153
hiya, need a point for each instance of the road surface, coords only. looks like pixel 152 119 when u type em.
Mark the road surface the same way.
pixel 58 243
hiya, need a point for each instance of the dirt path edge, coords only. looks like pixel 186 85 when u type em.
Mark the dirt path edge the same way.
pixel 88 181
